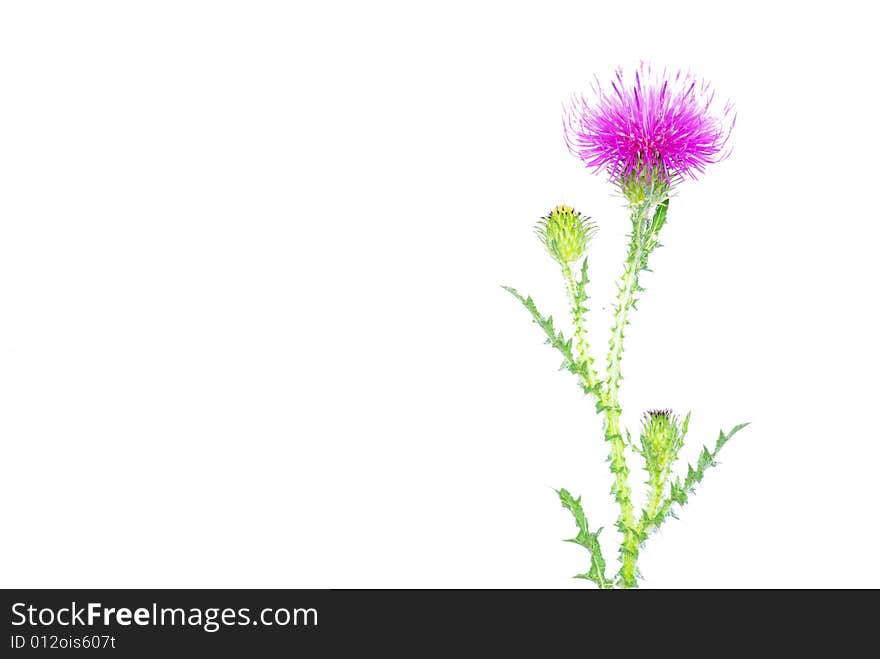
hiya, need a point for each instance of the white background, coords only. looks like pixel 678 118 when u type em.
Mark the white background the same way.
pixel 251 329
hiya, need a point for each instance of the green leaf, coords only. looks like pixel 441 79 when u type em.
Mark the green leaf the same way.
pixel 659 218
pixel 581 284
pixel 557 340
pixel 586 539
pixel 680 491
pixel 723 439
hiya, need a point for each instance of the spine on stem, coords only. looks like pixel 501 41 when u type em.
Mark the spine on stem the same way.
pixel 577 297
pixel 642 240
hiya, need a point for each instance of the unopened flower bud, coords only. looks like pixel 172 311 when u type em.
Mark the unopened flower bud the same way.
pixel 661 439
pixel 565 233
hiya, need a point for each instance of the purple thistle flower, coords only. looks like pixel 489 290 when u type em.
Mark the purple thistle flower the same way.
pixel 662 126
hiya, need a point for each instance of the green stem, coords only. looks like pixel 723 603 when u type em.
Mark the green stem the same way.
pixel 626 522
pixel 623 495
pixel 625 299
pixel 657 486
pixel 578 313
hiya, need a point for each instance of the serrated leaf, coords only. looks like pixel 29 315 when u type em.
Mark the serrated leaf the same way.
pixel 680 491
pixel 586 539
pixel 659 218
pixel 557 340
pixel 704 462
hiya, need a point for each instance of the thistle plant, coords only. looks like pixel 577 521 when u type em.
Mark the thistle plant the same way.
pixel 647 134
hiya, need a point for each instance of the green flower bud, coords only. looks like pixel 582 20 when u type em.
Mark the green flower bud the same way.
pixel 661 439
pixel 565 233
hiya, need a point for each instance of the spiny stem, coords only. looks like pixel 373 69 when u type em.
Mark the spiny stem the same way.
pixel 657 485
pixel 576 297
pixel 657 489
pixel 626 522
pixel 623 495
pixel 625 299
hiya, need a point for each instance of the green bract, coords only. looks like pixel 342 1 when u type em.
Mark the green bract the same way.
pixel 661 439
pixel 645 188
pixel 565 234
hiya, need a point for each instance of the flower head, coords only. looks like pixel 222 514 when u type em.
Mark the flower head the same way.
pixel 661 438
pixel 653 128
pixel 565 233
